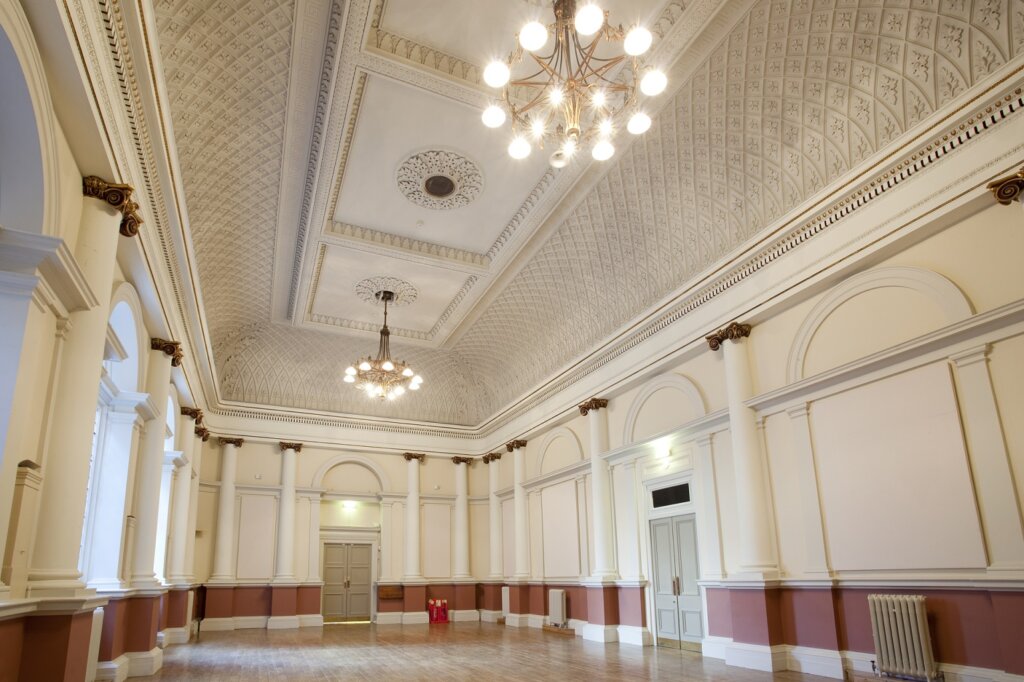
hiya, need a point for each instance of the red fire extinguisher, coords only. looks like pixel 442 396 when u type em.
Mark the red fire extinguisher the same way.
pixel 442 616
pixel 432 610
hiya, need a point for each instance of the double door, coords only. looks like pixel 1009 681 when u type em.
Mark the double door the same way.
pixel 347 573
pixel 678 609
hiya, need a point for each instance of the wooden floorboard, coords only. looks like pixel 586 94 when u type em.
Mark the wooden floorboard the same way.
pixel 458 651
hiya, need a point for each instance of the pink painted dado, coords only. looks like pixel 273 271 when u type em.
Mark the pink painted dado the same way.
pixel 129 625
pixel 970 627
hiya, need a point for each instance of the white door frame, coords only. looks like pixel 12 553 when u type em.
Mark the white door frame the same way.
pixel 649 513
pixel 354 536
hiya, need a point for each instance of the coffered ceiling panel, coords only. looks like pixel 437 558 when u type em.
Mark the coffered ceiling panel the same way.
pixel 348 279
pixel 404 135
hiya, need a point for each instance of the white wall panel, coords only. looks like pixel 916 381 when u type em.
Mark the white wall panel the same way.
pixel 895 485
pixel 257 535
pixel 508 538
pixel 561 531
pixel 437 540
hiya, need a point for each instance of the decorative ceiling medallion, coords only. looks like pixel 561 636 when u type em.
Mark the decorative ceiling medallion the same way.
pixel 404 293
pixel 439 179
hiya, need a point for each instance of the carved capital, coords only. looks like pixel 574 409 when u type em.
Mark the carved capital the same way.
pixel 170 348
pixel 593 404
pixel 515 445
pixel 1009 189
pixel 735 331
pixel 237 442
pixel 462 460
pixel 297 447
pixel 117 195
pixel 203 433
pixel 194 413
pixel 410 456
pixel 493 457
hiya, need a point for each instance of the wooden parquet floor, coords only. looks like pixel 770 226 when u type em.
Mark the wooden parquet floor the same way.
pixel 460 651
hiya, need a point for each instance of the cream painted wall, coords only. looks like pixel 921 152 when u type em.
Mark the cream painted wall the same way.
pixel 71 190
pixel 349 513
pixel 351 478
pixel 479 540
pixel 1007 371
pixel 206 533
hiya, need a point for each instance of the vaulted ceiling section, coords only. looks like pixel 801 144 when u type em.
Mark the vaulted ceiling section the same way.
pixel 791 101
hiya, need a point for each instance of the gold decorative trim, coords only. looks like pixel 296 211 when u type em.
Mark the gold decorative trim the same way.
pixel 237 442
pixel 297 447
pixel 593 404
pixel 1009 189
pixel 203 433
pixel 193 413
pixel 410 456
pixel 172 349
pixel 462 460
pixel 117 195
pixel 735 331
pixel 515 445
pixel 493 457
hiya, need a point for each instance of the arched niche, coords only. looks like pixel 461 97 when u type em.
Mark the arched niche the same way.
pixel 363 472
pixel 126 322
pixel 664 403
pixel 559 448
pixel 29 180
pixel 872 311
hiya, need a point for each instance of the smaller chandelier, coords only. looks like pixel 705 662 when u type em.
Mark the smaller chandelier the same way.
pixel 380 376
pixel 574 97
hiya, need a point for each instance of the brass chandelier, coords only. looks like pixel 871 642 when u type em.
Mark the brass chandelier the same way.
pixel 577 94
pixel 380 376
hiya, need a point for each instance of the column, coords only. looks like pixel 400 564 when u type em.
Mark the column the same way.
pixel 223 568
pixel 753 512
pixel 497 571
pixel 520 510
pixel 149 471
pixel 54 563
pixel 600 487
pixel 462 517
pixel 286 515
pixel 201 435
pixel 990 462
pixel 712 564
pixel 413 572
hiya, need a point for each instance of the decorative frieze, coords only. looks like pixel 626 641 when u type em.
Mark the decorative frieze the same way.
pixel 297 447
pixel 1008 190
pixel 170 348
pixel 193 413
pixel 117 195
pixel 735 331
pixel 493 457
pixel 593 404
pixel 462 460
pixel 237 442
pixel 515 445
pixel 409 456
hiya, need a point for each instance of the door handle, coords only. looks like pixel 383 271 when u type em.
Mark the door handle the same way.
pixel 346 583
pixel 675 586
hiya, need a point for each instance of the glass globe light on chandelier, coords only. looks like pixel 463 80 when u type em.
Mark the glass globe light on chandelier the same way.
pixel 579 94
pixel 381 377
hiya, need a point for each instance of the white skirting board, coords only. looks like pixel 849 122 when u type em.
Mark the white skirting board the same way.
pixel 828 663
pixel 175 635
pixel 311 620
pixel 94 644
pixel 141 663
pixel 236 623
pixel 535 621
pixel 415 618
pixel 389 618
pixel 463 615
pixel 634 634
pixel 489 616
pixel 601 633
pixel 518 620
pixel 116 669
pixel 283 623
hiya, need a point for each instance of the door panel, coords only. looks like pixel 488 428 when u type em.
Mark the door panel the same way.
pixel 666 611
pixel 347 582
pixel 690 606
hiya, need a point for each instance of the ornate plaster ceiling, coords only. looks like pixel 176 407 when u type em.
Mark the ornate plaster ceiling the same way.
pixel 795 97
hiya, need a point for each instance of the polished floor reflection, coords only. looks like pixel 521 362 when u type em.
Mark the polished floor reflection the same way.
pixel 461 651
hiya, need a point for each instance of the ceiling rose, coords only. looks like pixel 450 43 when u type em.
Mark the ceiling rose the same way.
pixel 439 179
pixel 402 292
